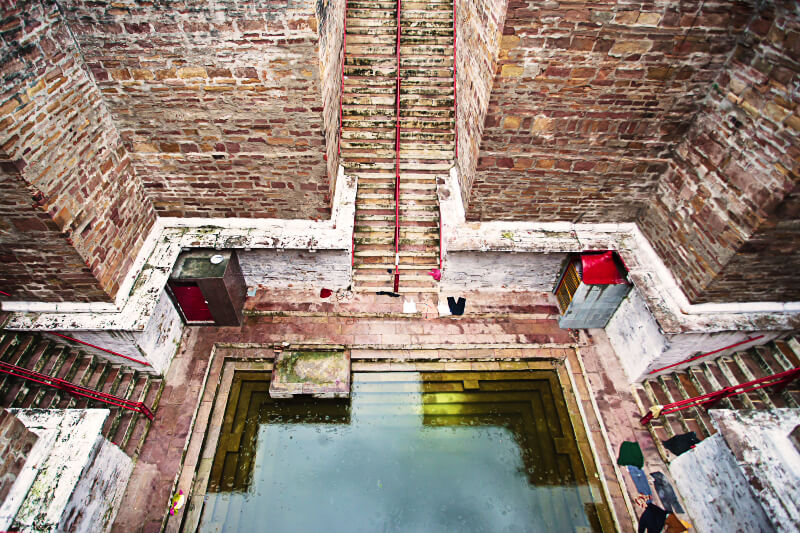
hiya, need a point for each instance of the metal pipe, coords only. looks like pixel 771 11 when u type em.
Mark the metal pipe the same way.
pixel 455 88
pixel 397 162
pixel 145 363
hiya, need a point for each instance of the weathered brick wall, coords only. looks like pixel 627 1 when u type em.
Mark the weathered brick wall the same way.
pixel 219 103
pixel 74 213
pixel 725 217
pixel 479 25
pixel 37 261
pixel 330 24
pixel 589 98
pixel 16 442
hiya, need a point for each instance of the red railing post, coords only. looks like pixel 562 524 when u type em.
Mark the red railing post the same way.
pixel 455 87
pixel 397 163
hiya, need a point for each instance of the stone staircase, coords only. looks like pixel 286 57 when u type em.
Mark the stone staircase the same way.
pixel 426 137
pixel 127 429
pixel 713 375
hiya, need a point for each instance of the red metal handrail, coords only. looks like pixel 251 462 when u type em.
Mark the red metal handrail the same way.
pixel 112 352
pixel 689 360
pixel 4 293
pixel 397 164
pixel 776 380
pixel 78 390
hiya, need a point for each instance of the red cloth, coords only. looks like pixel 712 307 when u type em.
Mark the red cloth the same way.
pixel 602 269
pixel 324 293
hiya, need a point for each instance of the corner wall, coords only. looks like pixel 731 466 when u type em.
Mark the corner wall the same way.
pixel 220 103
pixel 74 211
pixel 479 40
pixel 588 100
pixel 725 217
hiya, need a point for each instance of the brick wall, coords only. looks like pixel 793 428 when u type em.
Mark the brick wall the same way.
pixel 330 24
pixel 726 217
pixel 478 43
pixel 219 103
pixel 16 442
pixel 588 99
pixel 74 213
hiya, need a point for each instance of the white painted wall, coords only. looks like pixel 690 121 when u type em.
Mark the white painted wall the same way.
pixel 97 496
pixel 501 271
pixel 642 347
pixel 77 473
pixel 635 335
pixel 296 268
pixel 159 340
pixel 714 490
pixel 759 441
pixel 156 344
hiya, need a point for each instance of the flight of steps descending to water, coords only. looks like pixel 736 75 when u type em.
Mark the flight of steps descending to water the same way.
pixel 426 137
pixel 708 376
pixel 127 429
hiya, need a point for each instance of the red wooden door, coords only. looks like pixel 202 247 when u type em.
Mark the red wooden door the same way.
pixel 193 304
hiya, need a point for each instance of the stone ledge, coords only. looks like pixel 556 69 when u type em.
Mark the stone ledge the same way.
pixel 167 239
pixel 651 277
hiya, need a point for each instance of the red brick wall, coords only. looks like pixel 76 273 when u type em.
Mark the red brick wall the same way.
pixel 16 442
pixel 588 99
pixel 725 217
pixel 478 44
pixel 74 212
pixel 219 103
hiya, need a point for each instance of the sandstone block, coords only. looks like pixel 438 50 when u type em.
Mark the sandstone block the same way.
pixel 622 48
pixel 511 71
pixel 192 72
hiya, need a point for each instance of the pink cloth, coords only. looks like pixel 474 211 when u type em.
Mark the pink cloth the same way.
pixel 436 273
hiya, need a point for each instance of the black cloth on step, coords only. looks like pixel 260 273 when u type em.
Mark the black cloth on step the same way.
pixel 666 493
pixel 681 443
pixel 457 308
pixel 652 519
pixel 388 293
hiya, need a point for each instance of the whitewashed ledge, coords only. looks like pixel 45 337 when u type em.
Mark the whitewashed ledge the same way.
pixel 139 296
pixel 651 277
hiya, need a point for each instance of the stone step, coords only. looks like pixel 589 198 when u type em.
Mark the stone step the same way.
pixel 34 353
pixel 370 195
pixel 411 74
pixel 388 134
pixel 369 49
pixel 402 253
pixel 390 165
pixel 712 375
pixel 389 266
pixel 377 4
pixel 409 146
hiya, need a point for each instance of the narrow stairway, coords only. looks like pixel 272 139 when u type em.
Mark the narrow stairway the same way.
pixel 127 429
pixel 713 375
pixel 369 119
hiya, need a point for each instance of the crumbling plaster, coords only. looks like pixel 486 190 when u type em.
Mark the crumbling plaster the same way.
pixel 663 297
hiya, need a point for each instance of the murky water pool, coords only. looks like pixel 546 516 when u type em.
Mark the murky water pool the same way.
pixel 410 452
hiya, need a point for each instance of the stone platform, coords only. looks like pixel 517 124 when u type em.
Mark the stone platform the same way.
pixel 320 372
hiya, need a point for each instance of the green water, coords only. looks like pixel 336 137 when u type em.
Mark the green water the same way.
pixel 409 453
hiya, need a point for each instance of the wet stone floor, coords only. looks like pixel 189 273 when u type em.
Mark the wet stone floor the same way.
pixel 410 451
